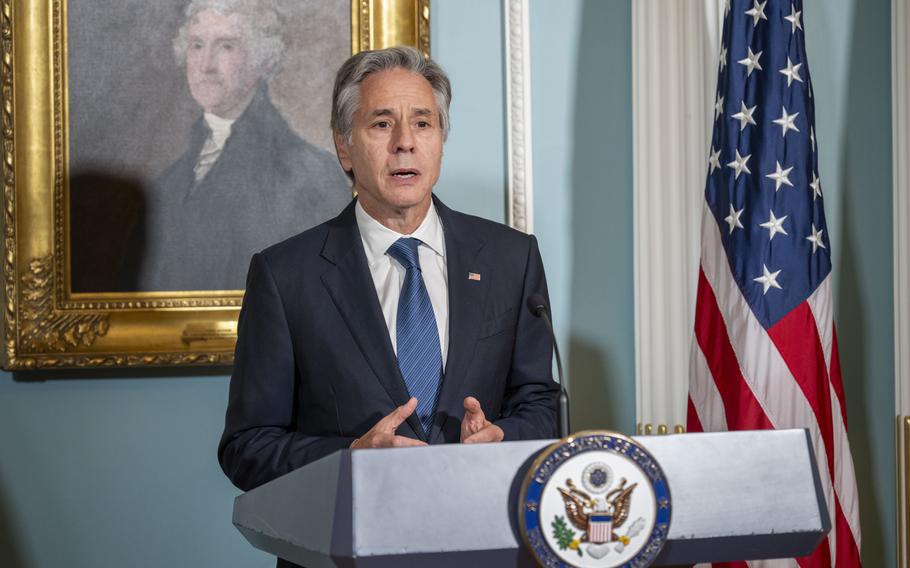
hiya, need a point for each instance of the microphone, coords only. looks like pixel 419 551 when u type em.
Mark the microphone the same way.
pixel 537 304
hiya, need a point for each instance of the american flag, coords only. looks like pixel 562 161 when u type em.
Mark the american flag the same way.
pixel 600 528
pixel 765 349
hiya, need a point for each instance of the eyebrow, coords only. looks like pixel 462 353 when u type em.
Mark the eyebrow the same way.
pixel 229 37
pixel 389 112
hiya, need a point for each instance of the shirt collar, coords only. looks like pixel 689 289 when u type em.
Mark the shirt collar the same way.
pixel 377 238
pixel 220 127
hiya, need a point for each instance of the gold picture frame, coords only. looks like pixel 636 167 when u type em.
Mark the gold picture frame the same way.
pixel 48 326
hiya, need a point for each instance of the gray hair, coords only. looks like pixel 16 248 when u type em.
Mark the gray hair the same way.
pixel 346 95
pixel 265 29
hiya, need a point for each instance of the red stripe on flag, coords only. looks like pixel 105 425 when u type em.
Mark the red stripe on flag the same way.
pixel 693 424
pixel 742 410
pixel 847 551
pixel 835 377
pixel 796 338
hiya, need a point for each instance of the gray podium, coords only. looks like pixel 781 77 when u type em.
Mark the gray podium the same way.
pixel 735 495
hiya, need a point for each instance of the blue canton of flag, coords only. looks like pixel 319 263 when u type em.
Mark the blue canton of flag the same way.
pixel 762 184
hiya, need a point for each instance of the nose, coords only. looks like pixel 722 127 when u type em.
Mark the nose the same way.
pixel 209 59
pixel 403 140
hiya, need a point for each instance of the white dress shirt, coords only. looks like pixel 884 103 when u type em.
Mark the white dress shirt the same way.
pixel 220 127
pixel 219 130
pixel 388 274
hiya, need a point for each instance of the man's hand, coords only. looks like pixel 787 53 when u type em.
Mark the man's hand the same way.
pixel 475 428
pixel 382 435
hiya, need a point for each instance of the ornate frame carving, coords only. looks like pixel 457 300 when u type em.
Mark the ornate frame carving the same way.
pixel 519 164
pixel 44 324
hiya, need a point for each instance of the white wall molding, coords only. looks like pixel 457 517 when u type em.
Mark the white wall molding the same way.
pixel 674 71
pixel 900 80
pixel 520 212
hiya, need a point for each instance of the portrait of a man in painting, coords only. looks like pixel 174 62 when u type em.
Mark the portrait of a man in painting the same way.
pixel 224 169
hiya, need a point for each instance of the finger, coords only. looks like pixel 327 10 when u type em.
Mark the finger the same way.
pixel 394 419
pixel 472 408
pixel 404 441
pixel 491 433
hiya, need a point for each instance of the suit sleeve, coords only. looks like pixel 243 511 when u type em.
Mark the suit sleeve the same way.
pixel 529 405
pixel 259 441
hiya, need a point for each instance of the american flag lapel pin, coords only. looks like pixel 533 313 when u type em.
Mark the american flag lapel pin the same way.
pixel 474 276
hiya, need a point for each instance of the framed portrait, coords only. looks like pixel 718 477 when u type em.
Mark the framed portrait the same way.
pixel 149 149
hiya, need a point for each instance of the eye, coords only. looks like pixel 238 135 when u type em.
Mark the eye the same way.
pixel 423 124
pixel 195 45
pixel 382 124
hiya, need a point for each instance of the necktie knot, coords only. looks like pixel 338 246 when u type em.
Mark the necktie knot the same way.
pixel 404 250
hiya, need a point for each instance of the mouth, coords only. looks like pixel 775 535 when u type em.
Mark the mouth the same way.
pixel 405 173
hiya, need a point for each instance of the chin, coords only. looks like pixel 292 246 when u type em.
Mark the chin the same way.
pixel 409 198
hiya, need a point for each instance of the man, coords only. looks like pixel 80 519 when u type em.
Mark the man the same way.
pixel 398 323
pixel 247 179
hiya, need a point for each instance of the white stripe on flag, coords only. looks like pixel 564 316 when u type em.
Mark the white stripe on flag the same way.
pixel 704 394
pixel 820 304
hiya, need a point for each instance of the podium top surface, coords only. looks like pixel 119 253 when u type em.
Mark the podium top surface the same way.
pixel 404 501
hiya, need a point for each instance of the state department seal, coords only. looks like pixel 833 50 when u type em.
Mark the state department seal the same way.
pixel 595 500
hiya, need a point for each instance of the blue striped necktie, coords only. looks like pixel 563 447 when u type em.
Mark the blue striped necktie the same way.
pixel 419 354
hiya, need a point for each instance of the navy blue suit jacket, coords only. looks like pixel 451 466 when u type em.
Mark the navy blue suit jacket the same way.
pixel 315 369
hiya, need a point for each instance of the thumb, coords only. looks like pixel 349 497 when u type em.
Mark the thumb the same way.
pixel 399 415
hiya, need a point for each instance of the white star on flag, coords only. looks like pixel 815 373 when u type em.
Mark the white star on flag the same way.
pixel 739 164
pixel 792 72
pixel 768 279
pixel 816 187
pixel 757 12
pixel 816 239
pixel 718 106
pixel 723 57
pixel 780 176
pixel 744 116
pixel 733 219
pixel 714 160
pixel 751 61
pixel 786 121
pixel 774 226
pixel 793 18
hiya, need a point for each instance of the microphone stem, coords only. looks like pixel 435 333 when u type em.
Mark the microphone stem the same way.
pixel 562 406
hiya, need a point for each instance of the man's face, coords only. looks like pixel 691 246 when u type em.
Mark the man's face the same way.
pixel 219 68
pixel 396 143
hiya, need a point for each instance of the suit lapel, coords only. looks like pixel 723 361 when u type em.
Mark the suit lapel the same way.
pixel 466 300
pixel 352 290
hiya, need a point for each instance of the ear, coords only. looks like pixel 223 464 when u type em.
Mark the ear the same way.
pixel 344 155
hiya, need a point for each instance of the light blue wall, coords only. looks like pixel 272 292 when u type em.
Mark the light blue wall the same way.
pixel 849 50
pixel 582 129
pixel 118 469
pixel 116 472
pixel 582 113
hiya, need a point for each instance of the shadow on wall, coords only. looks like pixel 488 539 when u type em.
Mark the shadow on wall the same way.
pixel 854 361
pixel 107 233
pixel 592 407
pixel 10 551
pixel 601 348
pixel 864 302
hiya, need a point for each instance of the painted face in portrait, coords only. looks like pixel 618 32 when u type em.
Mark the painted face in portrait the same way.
pixel 220 69
pixel 396 143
